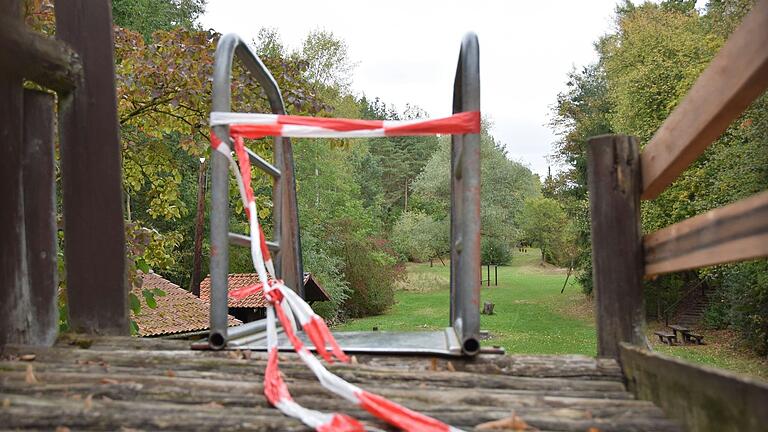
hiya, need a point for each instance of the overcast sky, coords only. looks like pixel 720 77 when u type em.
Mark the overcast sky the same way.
pixel 406 52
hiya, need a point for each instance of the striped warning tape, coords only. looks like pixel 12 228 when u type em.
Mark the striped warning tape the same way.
pixel 261 125
pixel 284 302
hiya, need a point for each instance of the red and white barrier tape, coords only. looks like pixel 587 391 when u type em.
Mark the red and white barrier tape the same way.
pixel 284 302
pixel 262 125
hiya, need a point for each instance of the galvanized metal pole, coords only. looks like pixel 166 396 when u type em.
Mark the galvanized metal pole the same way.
pixel 465 203
pixel 288 260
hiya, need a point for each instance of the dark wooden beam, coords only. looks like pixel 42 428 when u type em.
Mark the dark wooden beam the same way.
pixel 617 264
pixel 14 284
pixel 42 320
pixel 704 399
pixel 13 267
pixel 38 58
pixel 736 232
pixel 94 233
pixel 736 76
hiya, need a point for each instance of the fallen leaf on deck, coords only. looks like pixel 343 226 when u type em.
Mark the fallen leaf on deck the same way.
pixel 170 373
pixel 353 360
pixel 450 367
pixel 512 422
pixel 213 404
pixel 88 402
pixel 30 378
pixel 62 429
pixel 247 354
pixel 593 429
pixel 6 403
pixel 108 381
pixel 433 364
pixel 27 357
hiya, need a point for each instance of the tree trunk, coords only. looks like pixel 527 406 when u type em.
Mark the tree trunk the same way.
pixel 197 256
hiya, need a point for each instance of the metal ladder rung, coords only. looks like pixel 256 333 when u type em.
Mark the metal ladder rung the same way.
pixel 245 241
pixel 263 164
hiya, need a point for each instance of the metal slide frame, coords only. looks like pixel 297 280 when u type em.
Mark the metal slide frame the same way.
pixel 462 337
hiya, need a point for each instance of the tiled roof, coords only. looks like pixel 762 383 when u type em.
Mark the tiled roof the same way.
pixel 315 292
pixel 179 311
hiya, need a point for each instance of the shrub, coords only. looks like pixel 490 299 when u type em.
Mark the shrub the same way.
pixel 414 236
pixel 371 272
pixel 494 252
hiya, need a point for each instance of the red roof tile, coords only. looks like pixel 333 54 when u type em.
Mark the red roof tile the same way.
pixel 239 280
pixel 179 311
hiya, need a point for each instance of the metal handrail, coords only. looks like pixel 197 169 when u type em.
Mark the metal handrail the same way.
pixel 284 192
pixel 465 203
pixel 465 194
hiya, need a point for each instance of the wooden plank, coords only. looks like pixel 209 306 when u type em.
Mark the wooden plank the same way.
pixel 736 232
pixel 702 398
pixel 90 160
pixel 42 323
pixel 14 301
pixel 736 76
pixel 14 284
pixel 617 266
pixel 38 58
pixel 206 390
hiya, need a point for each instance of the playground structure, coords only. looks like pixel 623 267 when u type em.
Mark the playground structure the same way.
pixel 461 337
pixel 124 382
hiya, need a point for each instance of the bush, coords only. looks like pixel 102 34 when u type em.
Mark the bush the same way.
pixel 494 252
pixel 417 237
pixel 744 293
pixel 371 271
pixel 368 266
pixel 328 270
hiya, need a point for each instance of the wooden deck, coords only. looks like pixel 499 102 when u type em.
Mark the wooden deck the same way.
pixel 145 384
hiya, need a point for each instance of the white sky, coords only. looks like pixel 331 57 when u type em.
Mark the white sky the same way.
pixel 406 52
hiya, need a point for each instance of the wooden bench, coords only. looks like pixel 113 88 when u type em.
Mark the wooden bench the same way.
pixel 693 338
pixel 667 338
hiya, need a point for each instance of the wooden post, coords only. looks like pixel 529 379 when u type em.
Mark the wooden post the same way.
pixel 39 188
pixel 13 269
pixel 197 256
pixel 617 257
pixel 94 233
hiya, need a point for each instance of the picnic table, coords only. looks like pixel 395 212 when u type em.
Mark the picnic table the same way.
pixel 687 335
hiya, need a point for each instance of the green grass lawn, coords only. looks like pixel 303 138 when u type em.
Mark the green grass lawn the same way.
pixel 532 317
pixel 525 320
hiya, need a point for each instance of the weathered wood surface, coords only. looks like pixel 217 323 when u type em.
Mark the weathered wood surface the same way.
pixel 42 315
pixel 14 284
pixel 736 76
pixel 702 398
pixel 36 57
pixel 157 384
pixel 617 255
pixel 738 231
pixel 94 232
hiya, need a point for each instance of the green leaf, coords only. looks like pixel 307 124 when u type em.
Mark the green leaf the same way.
pixel 134 328
pixel 159 293
pixel 134 303
pixel 142 265
pixel 149 297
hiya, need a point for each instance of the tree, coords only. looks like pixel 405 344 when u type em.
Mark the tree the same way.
pixel 505 184
pixel 646 66
pixel 545 224
pixel 149 16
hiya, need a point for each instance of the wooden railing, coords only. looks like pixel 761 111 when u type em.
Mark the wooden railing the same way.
pixel 620 176
pixel 78 66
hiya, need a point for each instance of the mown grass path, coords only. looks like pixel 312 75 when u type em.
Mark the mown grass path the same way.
pixel 531 316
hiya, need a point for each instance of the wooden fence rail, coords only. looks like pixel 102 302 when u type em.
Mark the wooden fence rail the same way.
pixel 703 399
pixel 737 76
pixel 736 232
